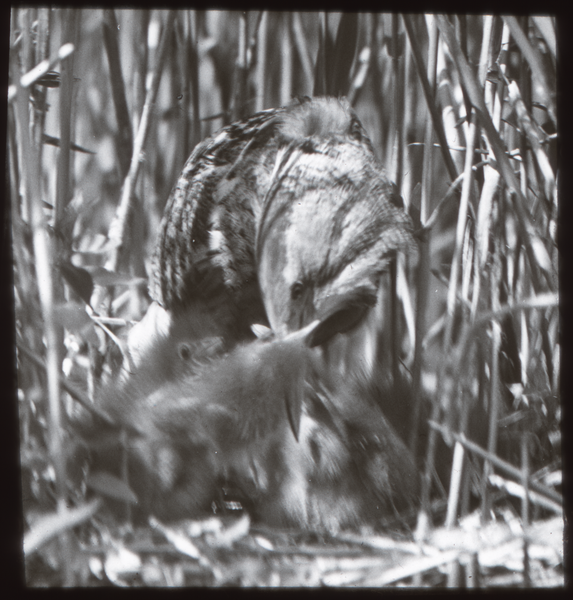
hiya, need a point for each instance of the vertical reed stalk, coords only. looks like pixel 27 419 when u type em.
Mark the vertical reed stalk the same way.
pixel 423 274
pixel 43 262
pixel 193 51
pixel 118 228
pixel 261 73
pixel 525 470
pixel 286 60
pixel 118 91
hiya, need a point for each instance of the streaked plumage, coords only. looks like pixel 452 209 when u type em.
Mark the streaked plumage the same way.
pixel 290 196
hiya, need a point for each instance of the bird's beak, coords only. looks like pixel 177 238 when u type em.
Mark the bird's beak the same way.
pixel 339 314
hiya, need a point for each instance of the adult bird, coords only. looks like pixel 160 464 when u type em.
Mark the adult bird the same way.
pixel 289 217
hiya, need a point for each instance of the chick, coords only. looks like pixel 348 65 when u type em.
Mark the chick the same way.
pixel 265 419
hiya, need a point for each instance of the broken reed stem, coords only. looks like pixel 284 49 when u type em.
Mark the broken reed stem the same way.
pixel 48 527
pixel 40 70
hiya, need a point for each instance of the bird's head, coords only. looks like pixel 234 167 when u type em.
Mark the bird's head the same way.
pixel 327 232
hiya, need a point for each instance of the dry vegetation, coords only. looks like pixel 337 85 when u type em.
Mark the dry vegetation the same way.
pixel 104 108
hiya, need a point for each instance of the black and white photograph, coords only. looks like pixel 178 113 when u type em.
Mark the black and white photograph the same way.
pixel 285 294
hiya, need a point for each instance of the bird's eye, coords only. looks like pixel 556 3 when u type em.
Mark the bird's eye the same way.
pixel 296 290
pixel 184 351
